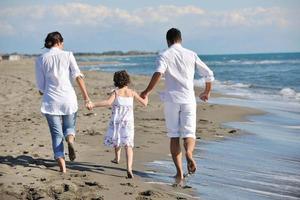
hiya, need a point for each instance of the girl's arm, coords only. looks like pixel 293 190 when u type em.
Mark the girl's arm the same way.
pixel 105 103
pixel 84 92
pixel 144 101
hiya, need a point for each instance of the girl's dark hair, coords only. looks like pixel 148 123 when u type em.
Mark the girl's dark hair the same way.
pixel 53 39
pixel 121 79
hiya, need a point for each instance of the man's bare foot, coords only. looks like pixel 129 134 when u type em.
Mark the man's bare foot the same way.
pixel 179 181
pixel 191 166
pixel 115 161
pixel 129 174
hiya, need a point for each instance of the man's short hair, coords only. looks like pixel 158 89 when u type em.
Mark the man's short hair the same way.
pixel 173 35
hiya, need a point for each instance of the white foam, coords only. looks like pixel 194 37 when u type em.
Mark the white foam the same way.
pixel 253 62
pixel 289 93
pixel 253 92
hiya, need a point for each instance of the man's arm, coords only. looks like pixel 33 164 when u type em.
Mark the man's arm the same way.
pixel 205 95
pixel 208 75
pixel 154 80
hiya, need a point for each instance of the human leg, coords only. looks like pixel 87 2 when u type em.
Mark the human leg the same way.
pixel 69 122
pixel 55 126
pixel 62 164
pixel 172 111
pixel 188 132
pixel 129 159
pixel 117 155
pixel 189 145
pixel 177 158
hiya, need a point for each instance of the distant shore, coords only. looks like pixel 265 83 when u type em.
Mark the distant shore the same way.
pixel 27 169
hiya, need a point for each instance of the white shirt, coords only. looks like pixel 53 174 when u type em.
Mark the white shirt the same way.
pixel 178 64
pixel 55 70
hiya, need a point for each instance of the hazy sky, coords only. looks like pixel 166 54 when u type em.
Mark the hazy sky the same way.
pixel 207 26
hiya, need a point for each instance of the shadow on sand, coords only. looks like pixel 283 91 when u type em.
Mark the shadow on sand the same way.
pixel 28 161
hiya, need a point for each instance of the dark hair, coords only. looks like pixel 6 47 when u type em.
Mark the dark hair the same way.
pixel 121 79
pixel 173 35
pixel 53 39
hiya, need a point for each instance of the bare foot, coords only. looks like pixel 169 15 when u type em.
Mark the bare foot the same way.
pixel 72 154
pixel 179 181
pixel 129 174
pixel 191 166
pixel 115 161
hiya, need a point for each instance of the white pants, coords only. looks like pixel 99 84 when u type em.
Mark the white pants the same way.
pixel 180 119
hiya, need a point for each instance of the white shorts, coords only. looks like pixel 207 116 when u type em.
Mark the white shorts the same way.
pixel 180 119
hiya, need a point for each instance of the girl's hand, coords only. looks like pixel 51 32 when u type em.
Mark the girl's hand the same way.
pixel 146 99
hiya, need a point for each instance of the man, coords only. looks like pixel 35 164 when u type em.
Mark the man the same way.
pixel 178 65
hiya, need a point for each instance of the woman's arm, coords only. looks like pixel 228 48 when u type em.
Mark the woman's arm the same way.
pixel 40 76
pixel 144 101
pixel 105 103
pixel 84 93
pixel 82 87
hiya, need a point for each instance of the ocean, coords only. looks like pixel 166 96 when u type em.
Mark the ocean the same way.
pixel 264 164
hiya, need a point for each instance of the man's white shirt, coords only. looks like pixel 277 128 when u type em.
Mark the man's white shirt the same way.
pixel 178 64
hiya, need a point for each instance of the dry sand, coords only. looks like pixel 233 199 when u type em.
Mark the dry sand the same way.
pixel 27 169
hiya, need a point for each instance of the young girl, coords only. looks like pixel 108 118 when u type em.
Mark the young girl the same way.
pixel 120 131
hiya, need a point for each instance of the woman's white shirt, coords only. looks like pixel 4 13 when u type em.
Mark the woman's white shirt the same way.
pixel 55 71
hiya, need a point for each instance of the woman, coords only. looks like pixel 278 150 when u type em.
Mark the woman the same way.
pixel 55 71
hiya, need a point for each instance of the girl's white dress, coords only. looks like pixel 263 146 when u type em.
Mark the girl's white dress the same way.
pixel 121 126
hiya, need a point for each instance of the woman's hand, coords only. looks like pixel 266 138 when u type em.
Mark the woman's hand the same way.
pixel 89 104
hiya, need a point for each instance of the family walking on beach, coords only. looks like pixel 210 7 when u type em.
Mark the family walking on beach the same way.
pixel 56 69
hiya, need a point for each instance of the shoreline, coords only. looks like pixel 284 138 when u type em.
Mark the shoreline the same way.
pixel 26 154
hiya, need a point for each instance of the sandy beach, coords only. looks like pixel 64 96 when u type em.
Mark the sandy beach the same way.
pixel 27 168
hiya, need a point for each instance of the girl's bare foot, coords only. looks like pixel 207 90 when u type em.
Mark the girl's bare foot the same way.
pixel 129 174
pixel 115 161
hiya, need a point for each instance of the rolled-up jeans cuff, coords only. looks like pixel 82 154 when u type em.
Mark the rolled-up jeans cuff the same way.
pixel 69 131
pixel 59 155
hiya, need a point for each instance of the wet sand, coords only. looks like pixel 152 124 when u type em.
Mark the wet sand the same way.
pixel 27 169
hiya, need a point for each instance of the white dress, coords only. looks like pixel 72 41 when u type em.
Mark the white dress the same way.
pixel 121 126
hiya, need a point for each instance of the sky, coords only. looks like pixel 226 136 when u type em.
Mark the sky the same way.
pixel 207 26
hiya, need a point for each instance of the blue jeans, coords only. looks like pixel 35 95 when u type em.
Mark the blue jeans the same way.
pixel 60 127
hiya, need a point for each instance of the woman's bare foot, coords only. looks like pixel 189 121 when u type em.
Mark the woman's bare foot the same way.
pixel 129 174
pixel 115 161
pixel 62 165
pixel 72 154
pixel 70 140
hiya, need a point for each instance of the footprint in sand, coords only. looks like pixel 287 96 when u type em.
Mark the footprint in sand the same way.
pixel 129 185
pixel 150 194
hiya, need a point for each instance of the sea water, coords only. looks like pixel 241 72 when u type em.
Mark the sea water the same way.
pixel 264 164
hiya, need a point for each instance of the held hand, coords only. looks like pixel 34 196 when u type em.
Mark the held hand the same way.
pixel 204 96
pixel 89 105
pixel 146 99
pixel 144 94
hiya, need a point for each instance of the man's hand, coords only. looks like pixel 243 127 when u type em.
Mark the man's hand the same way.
pixel 153 82
pixel 204 96
pixel 144 94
